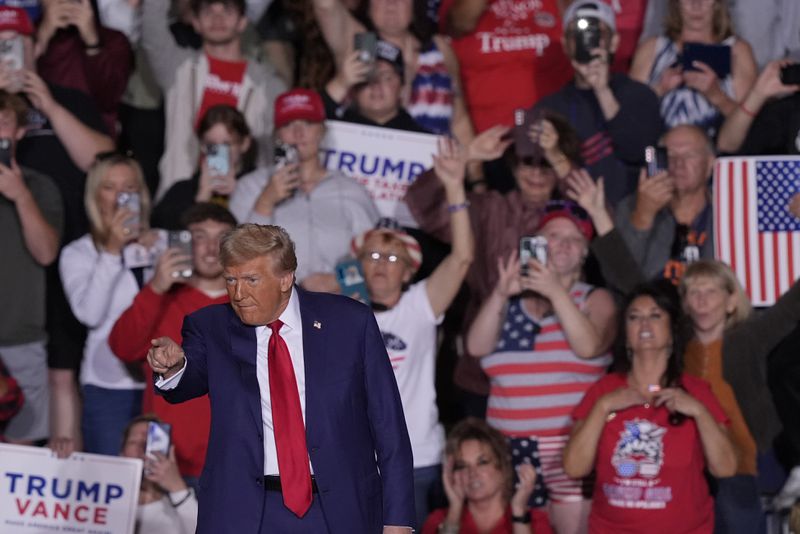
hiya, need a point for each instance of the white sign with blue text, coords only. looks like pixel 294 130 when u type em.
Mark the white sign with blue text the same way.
pixel 384 160
pixel 86 493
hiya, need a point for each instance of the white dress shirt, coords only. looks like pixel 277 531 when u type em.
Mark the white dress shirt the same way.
pixel 292 334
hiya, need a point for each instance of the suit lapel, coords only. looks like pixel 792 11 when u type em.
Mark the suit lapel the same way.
pixel 243 348
pixel 313 359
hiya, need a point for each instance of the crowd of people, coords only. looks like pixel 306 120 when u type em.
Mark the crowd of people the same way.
pixel 552 299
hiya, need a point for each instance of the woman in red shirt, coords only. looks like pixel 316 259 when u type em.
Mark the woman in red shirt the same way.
pixel 478 480
pixel 648 430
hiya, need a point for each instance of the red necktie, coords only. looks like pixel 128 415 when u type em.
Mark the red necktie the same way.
pixel 287 424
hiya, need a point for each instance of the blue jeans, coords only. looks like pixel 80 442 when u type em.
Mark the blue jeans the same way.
pixel 424 480
pixel 737 507
pixel 106 413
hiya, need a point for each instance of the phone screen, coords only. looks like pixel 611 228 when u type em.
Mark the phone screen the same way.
pixel 656 159
pixel 351 280
pixel 524 146
pixel 158 438
pixel 587 38
pixel 182 239
pixel 132 202
pixel 532 248
pixel 218 159
pixel 5 152
pixel 285 155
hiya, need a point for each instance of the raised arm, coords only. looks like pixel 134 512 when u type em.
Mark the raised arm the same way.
pixel 737 123
pixel 338 26
pixel 163 53
pixel 590 331
pixel 485 329
pixel 40 236
pixel 443 284
pixel 81 142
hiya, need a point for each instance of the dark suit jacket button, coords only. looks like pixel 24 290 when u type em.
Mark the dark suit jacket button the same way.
pixel 314 449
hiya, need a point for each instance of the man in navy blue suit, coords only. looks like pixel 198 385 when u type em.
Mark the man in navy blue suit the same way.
pixel 307 427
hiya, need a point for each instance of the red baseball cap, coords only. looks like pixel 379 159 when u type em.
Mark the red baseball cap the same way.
pixel 568 210
pixel 298 104
pixel 15 19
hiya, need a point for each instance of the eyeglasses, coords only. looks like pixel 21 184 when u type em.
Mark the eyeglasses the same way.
pixel 376 257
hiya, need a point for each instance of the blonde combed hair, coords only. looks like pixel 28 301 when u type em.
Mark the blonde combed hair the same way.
pixel 249 241
pixel 94 178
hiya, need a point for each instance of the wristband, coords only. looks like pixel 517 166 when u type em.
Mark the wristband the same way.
pixel 183 500
pixel 452 208
pixel 524 519
pixel 747 111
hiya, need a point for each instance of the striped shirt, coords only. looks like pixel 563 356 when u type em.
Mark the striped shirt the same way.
pixel 536 379
pixel 431 102
pixel 684 105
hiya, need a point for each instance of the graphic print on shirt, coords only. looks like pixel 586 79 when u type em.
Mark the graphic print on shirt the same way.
pixel 637 459
pixel 395 346
pixel 515 32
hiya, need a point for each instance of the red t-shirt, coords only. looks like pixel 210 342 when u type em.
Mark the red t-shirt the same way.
pixel 151 316
pixel 511 60
pixel 540 524
pixel 223 84
pixel 630 20
pixel 650 472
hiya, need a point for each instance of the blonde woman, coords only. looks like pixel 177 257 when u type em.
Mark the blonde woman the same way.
pixel 99 287
pixel 697 95
pixel 729 350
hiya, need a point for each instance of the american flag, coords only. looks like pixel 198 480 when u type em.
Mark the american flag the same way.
pixel 754 232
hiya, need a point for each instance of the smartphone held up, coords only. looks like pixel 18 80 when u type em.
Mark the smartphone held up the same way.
pixel 532 248
pixel 131 201
pixel 655 158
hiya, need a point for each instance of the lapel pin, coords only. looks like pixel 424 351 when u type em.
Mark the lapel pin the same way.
pixel 318 325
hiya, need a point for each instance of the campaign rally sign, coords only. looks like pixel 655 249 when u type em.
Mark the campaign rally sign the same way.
pixel 86 493
pixel 384 160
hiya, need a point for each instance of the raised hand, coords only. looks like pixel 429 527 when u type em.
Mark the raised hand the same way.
pixel 508 280
pixel 541 279
pixel 489 144
pixel 163 470
pixel 282 184
pixel 450 163
pixel 652 194
pixel 38 92
pixel 454 484
pixel 121 230
pixel 596 72
pixel 590 195
pixel 165 357
pixel 522 494
pixel 168 266
pixel 769 84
